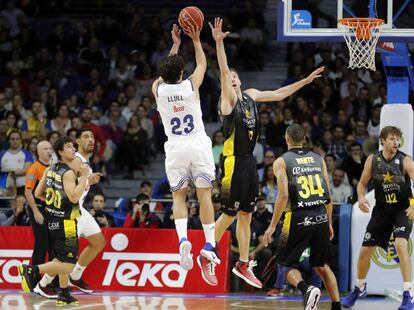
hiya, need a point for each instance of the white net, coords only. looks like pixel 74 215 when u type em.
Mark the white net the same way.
pixel 361 36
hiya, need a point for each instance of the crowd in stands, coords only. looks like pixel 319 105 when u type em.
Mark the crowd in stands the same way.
pixel 69 74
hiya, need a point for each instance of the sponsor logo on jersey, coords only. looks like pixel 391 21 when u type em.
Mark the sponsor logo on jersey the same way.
pixel 178 109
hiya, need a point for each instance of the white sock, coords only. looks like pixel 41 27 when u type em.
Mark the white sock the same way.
pixel 361 283
pixel 45 280
pixel 181 228
pixel 407 286
pixel 77 272
pixel 209 233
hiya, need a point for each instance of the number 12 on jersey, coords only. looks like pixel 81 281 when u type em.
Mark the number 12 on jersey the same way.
pixel 187 122
pixel 308 186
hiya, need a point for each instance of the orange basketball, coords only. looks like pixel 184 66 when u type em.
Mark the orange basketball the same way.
pixel 191 16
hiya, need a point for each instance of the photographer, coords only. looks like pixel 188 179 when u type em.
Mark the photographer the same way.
pixel 17 215
pixel 102 218
pixel 140 215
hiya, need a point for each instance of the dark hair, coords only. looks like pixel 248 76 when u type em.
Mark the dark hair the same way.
pixel 12 132
pixel 170 68
pixel 235 71
pixel 145 208
pixel 330 155
pixel 52 133
pixel 71 130
pixel 355 144
pixel 60 144
pixel 143 183
pixel 142 197
pixel 390 130
pixel 81 131
pixel 296 133
pixel 99 194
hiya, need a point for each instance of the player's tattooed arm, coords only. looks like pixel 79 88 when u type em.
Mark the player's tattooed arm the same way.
pixel 279 169
pixel 366 175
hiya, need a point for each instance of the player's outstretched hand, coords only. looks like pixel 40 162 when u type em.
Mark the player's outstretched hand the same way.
pixel 410 212
pixel 314 75
pixel 193 33
pixel 176 34
pixel 217 30
pixel 267 239
pixel 363 204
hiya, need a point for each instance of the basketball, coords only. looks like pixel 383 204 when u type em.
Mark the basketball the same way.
pixel 191 16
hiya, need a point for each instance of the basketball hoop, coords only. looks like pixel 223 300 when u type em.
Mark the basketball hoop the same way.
pixel 361 36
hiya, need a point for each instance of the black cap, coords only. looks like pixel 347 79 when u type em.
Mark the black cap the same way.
pixel 261 197
pixel 216 198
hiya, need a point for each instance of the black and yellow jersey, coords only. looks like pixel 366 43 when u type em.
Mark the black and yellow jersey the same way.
pixel 58 205
pixel 392 187
pixel 241 128
pixel 307 186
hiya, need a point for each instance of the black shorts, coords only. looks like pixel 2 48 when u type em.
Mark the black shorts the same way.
pixel 384 222
pixel 303 228
pixel 240 184
pixel 64 236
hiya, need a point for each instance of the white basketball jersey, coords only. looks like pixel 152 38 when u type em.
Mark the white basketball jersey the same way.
pixel 85 161
pixel 180 110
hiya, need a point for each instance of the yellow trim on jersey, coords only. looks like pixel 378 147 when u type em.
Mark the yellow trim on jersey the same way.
pixel 75 213
pixel 284 236
pixel 228 149
pixel 229 163
pixel 69 227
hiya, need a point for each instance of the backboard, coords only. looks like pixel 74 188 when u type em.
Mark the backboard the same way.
pixel 316 20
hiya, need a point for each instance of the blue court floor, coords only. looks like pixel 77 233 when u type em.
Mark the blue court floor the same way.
pixel 17 300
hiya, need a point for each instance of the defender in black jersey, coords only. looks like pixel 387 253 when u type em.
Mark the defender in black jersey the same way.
pixel 61 190
pixel 392 217
pixel 304 196
pixel 239 184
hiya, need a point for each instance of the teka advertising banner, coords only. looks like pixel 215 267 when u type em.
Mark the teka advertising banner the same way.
pixel 134 259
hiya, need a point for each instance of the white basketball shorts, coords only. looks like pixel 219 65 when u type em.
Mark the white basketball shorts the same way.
pixel 190 158
pixel 86 224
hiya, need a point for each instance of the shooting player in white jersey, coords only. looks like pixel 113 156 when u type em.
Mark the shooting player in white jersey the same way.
pixel 86 224
pixel 188 149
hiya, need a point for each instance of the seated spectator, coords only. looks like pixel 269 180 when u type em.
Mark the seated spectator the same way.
pixel 269 187
pixel 132 152
pixel 104 219
pixel 360 132
pixel 17 215
pixel 15 161
pixel 337 146
pixel 91 56
pixel 374 121
pixel 268 159
pixel 252 42
pixel 354 164
pixel 218 144
pixel 61 123
pixel 194 221
pixel 340 191
pixel 140 215
pixel 34 125
pixel 216 199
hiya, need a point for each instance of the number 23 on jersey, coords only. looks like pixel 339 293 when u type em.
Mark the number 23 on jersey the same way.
pixel 185 125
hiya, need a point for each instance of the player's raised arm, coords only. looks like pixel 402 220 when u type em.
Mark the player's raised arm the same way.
pixel 228 94
pixel 283 92
pixel 201 62
pixel 176 38
pixel 366 175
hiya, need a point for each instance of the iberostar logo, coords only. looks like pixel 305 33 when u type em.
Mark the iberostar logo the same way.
pixel 388 177
pixel 388 258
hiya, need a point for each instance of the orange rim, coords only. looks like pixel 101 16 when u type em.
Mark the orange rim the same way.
pixel 361 21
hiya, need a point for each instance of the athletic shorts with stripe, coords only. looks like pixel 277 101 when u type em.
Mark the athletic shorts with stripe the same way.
pixel 190 158
pixel 65 240
pixel 386 221
pixel 302 228
pixel 239 185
